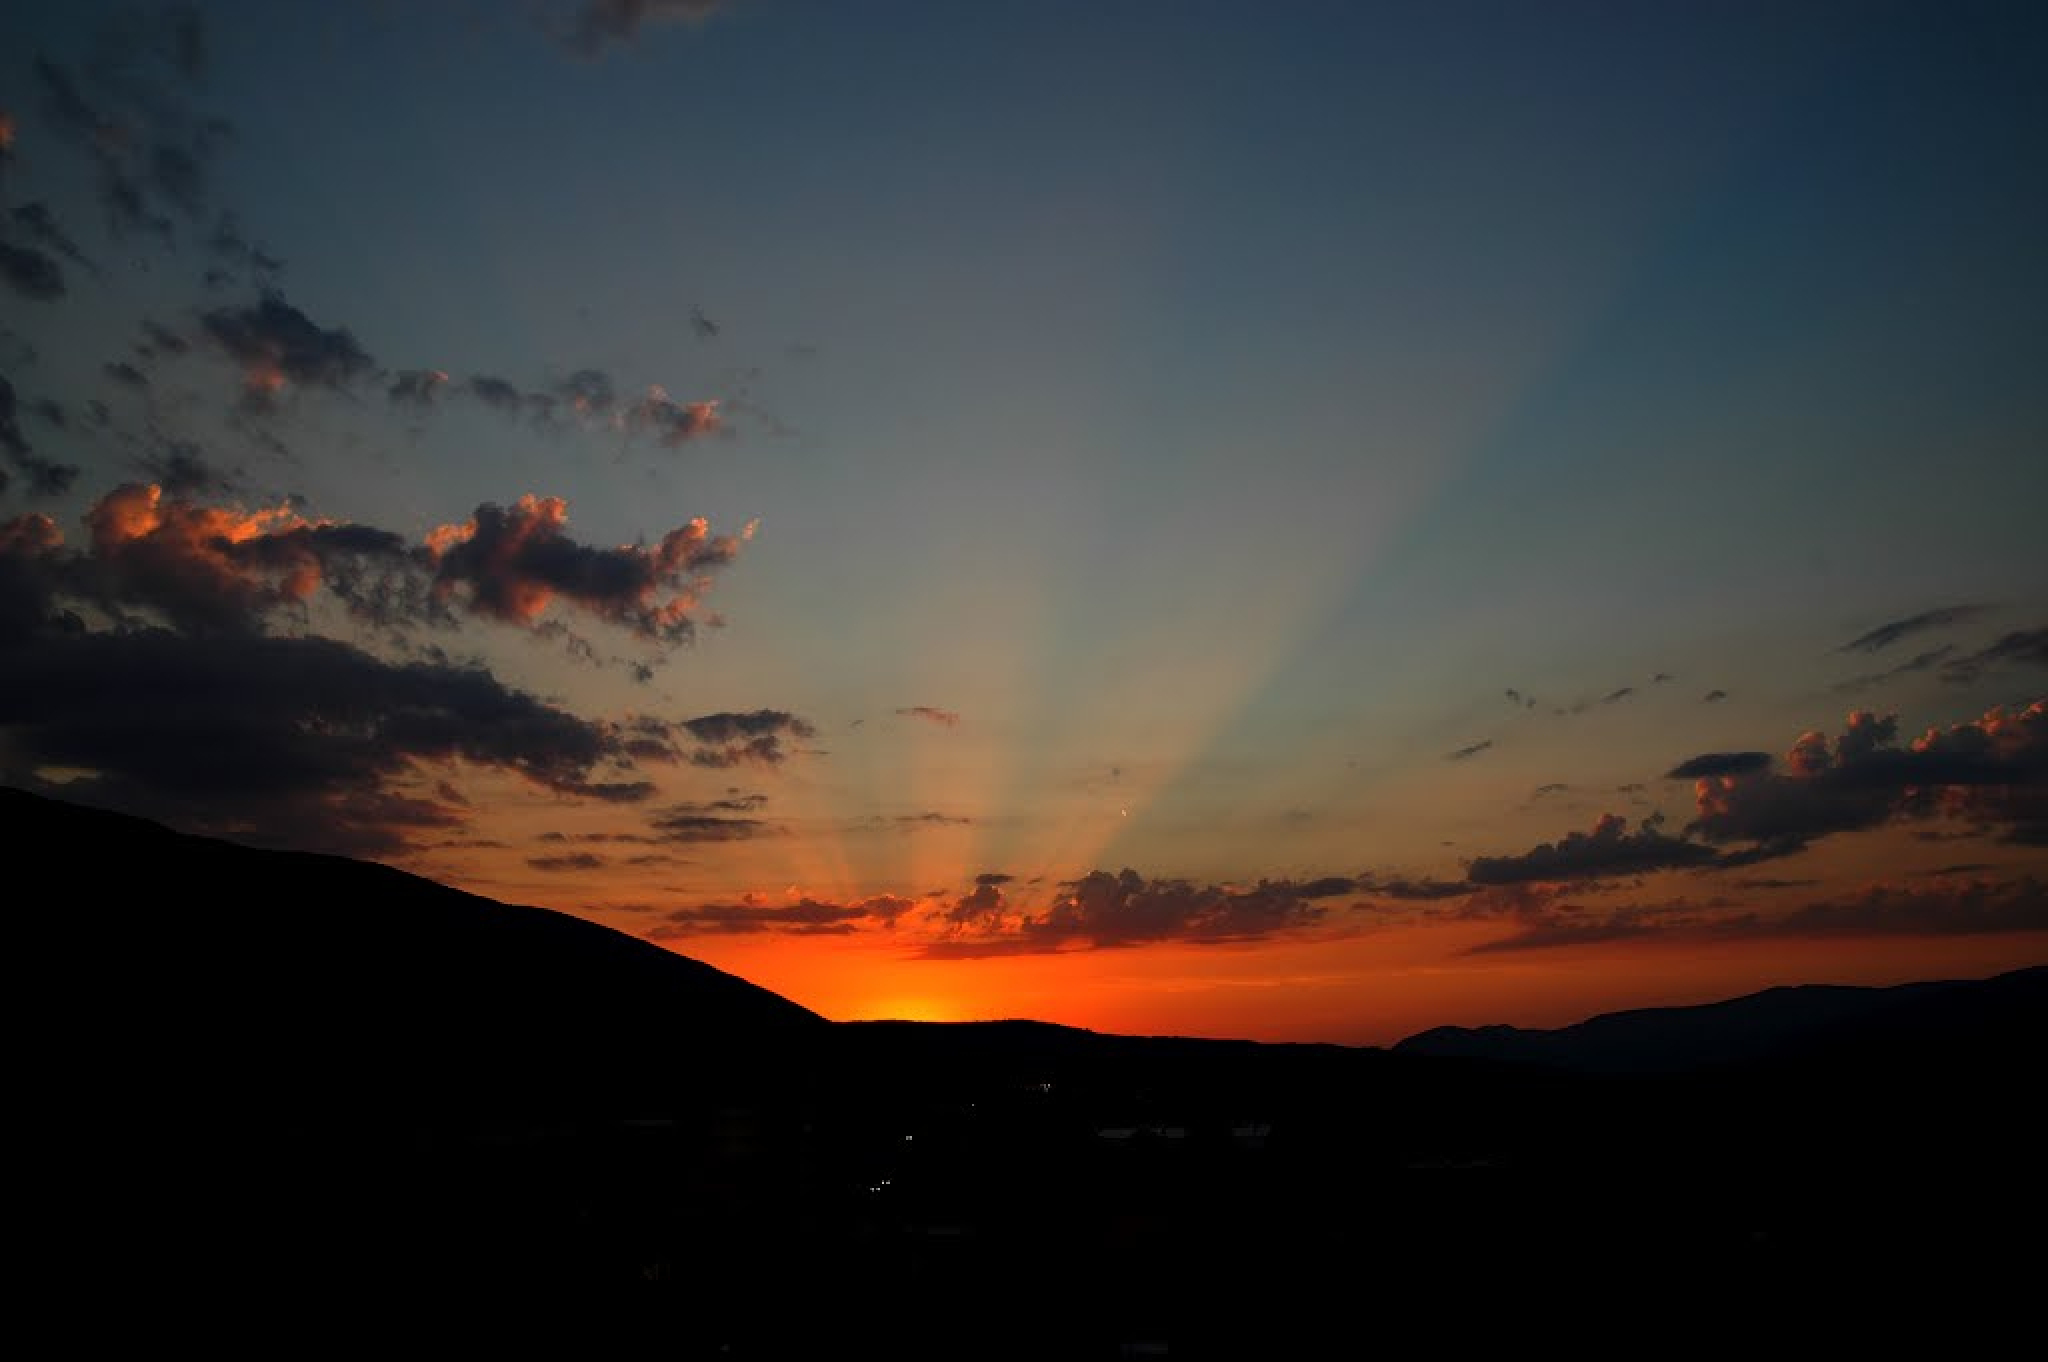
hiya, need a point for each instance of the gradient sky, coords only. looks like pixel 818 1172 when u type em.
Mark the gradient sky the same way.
pixel 1300 521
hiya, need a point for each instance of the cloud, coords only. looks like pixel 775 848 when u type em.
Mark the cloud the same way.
pixel 2020 648
pixel 1468 752
pixel 1519 700
pixel 1919 662
pixel 1609 849
pixel 1614 697
pixel 306 742
pixel 982 908
pixel 802 916
pixel 672 422
pixel 146 660
pixel 994 877
pixel 729 739
pixel 30 273
pixel 124 373
pixel 509 563
pixel 181 469
pixel 568 861
pixel 684 824
pixel 944 718
pixel 1990 772
pixel 911 822
pixel 1973 907
pixel 277 345
pixel 1713 697
pixel 1887 634
pixel 597 24
pixel 705 327
pixel 1101 910
pixel 415 387
pixel 1415 890
pixel 45 478
pixel 1719 764
pixel 495 392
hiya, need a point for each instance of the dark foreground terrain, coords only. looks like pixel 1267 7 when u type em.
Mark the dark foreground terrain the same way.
pixel 272 1101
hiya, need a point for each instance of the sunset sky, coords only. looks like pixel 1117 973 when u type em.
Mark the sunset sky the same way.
pixel 1303 521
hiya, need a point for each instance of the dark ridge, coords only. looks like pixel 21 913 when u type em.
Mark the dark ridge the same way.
pixel 1809 1024
pixel 269 1101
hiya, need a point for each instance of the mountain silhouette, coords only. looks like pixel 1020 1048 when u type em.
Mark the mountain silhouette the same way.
pixel 291 980
pixel 1780 1027
pixel 255 1086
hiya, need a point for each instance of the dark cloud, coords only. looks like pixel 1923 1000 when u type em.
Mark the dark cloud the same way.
pixel 1101 910
pixel 228 244
pixel 42 227
pixel 1412 890
pixel 415 387
pixel 1617 696
pixel 30 273
pixel 278 345
pixel 495 392
pixel 733 802
pixel 587 392
pixel 1609 849
pixel 1554 787
pixel 1328 887
pixel 45 478
pixel 1468 752
pixel 182 469
pixel 728 739
pixel 158 339
pixel 1713 697
pixel 1967 908
pixel 1887 634
pixel 306 742
pixel 705 328
pixel 982 908
pixel 125 373
pixel 509 563
pixel 687 823
pixel 1919 662
pixel 672 422
pixel 1991 772
pixel 910 822
pixel 568 861
pixel 1661 678
pixel 2020 648
pixel 1520 700
pixel 1719 764
pixel 596 24
pixel 944 718
pixel 800 917
pixel 994 877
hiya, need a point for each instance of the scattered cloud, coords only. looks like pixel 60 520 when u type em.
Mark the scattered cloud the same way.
pixel 277 346
pixel 568 861
pixel 596 25
pixel 727 739
pixel 1919 662
pixel 799 916
pixel 509 563
pixel 1609 849
pixel 1884 635
pixel 1466 753
pixel 2019 648
pixel 1720 764
pixel 944 718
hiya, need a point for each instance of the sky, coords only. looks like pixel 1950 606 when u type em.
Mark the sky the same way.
pixel 1302 522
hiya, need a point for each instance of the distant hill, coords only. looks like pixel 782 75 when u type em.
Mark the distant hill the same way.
pixel 1777 1028
pixel 169 965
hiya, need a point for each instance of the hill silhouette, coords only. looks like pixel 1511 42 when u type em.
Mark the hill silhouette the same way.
pixel 261 1084
pixel 1805 1025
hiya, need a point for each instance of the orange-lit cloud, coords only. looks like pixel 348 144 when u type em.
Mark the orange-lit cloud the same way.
pixel 510 562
